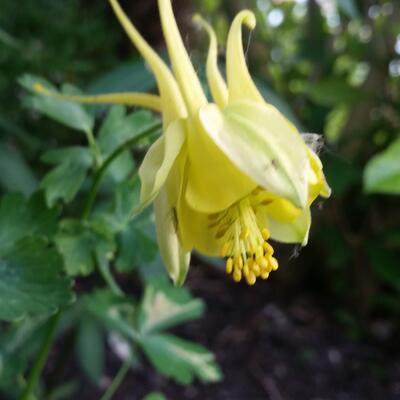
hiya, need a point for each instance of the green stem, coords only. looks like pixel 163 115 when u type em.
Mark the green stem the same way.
pixel 52 326
pixel 100 172
pixel 94 147
pixel 119 377
pixel 41 359
pixel 105 272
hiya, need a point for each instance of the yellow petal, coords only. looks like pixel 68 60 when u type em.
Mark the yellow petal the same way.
pixel 240 84
pixel 282 210
pixel 129 99
pixel 176 260
pixel 194 231
pixel 181 64
pixel 172 102
pixel 214 182
pixel 216 82
pixel 319 187
pixel 295 231
pixel 262 144
pixel 159 160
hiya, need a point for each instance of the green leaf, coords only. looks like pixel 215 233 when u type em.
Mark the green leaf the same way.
pixel 136 238
pixel 119 214
pixel 382 172
pixel 65 180
pixel 90 348
pixel 31 281
pixel 81 245
pixel 116 312
pixel 118 127
pixel 162 309
pixel 349 8
pixel 20 217
pixel 335 122
pixel 154 396
pixel 136 248
pixel 16 175
pixel 130 76
pixel 341 174
pixel 19 341
pixel 180 359
pixel 385 265
pixel 71 114
pixel 331 91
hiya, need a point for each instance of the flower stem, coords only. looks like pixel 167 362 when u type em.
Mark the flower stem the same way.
pixel 41 359
pixel 119 377
pixel 100 172
pixel 53 322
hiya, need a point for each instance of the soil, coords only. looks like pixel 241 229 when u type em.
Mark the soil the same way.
pixel 275 346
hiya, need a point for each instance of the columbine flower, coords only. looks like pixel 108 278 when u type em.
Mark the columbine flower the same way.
pixel 225 176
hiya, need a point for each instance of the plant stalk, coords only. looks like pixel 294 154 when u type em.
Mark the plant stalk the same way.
pixel 100 172
pixel 41 359
pixel 119 377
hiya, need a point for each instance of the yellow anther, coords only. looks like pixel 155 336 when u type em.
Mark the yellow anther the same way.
pixel 268 249
pixel 259 253
pixel 243 242
pixel 246 269
pixel 251 278
pixel 225 249
pixel 265 233
pixel 264 263
pixel 257 270
pixel 264 274
pixel 237 275
pixel 229 265
pixel 273 262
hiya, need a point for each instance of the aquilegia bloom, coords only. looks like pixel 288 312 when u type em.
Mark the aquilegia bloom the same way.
pixel 225 176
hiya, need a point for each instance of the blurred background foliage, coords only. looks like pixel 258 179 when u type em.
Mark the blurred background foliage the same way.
pixel 331 66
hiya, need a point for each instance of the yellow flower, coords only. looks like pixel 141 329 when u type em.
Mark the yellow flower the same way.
pixel 225 176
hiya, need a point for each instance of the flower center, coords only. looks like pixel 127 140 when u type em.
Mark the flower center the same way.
pixel 244 242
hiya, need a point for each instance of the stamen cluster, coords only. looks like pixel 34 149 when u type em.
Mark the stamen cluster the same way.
pixel 244 243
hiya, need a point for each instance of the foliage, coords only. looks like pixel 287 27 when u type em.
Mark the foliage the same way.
pixel 68 243
pixel 80 222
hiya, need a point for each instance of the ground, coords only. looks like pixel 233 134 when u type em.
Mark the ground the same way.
pixel 273 346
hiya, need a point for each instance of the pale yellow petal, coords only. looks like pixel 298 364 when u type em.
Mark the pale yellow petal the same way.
pixel 129 99
pixel 240 84
pixel 295 231
pixel 172 101
pixel 214 181
pixel 216 82
pixel 262 144
pixel 318 187
pixel 194 231
pixel 183 69
pixel 176 259
pixel 159 160
pixel 282 210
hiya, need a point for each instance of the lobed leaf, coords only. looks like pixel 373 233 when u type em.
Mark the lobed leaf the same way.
pixel 31 280
pixel 64 181
pixel 180 359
